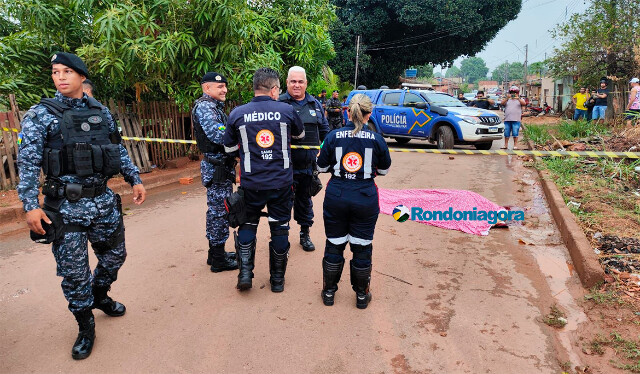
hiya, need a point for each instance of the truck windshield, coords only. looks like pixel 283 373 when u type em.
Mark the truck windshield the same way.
pixel 444 100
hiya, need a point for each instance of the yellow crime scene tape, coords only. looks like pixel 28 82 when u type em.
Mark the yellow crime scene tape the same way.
pixel 501 152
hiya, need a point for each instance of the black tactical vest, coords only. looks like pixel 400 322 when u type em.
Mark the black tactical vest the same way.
pixel 311 119
pixel 334 104
pixel 83 145
pixel 202 141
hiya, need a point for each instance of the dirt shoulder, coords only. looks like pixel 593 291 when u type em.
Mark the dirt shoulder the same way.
pixel 604 196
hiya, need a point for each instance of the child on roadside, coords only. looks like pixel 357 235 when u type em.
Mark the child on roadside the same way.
pixel 513 105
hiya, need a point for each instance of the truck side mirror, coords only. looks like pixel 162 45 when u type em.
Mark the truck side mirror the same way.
pixel 421 105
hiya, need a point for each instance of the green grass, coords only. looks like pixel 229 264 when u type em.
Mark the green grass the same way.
pixel 555 318
pixel 604 297
pixel 563 169
pixel 571 130
pixel 628 349
pixel 539 134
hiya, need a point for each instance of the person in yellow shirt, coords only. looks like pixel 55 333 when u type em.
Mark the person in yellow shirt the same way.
pixel 579 100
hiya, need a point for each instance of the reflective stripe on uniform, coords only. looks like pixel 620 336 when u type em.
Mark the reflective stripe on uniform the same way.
pixel 338 161
pixel 358 241
pixel 323 170
pixel 285 144
pixel 231 149
pixel 383 171
pixel 245 146
pixel 350 239
pixel 368 157
pixel 338 241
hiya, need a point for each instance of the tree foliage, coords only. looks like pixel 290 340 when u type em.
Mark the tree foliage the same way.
pixel 602 41
pixel 453 72
pixel 158 49
pixel 540 68
pixel 399 33
pixel 515 71
pixel 473 69
pixel 425 71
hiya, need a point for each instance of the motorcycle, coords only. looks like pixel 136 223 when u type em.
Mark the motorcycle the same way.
pixel 541 111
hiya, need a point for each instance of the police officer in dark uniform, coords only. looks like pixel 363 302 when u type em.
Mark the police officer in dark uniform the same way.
pixel 75 141
pixel 316 128
pixel 261 131
pixel 354 155
pixel 334 111
pixel 217 167
pixel 322 98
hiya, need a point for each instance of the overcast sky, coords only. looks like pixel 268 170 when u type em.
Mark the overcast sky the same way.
pixel 531 27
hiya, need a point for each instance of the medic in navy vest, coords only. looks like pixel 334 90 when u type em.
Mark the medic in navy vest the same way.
pixel 262 131
pixel 316 128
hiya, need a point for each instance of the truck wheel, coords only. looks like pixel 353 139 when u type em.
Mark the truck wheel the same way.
pixel 483 146
pixel 402 140
pixel 444 135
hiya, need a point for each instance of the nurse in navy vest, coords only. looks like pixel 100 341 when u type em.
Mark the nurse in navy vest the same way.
pixel 354 155
pixel 261 131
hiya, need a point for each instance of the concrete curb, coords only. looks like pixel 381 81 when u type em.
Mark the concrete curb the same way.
pixel 12 217
pixel 585 261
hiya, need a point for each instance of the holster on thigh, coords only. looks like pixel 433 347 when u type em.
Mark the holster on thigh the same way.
pixel 115 239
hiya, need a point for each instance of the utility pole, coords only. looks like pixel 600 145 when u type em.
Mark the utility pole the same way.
pixel 506 76
pixel 526 70
pixel 355 80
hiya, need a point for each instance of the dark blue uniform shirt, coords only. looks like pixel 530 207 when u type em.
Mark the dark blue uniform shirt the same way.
pixel 261 131
pixel 354 157
pixel 323 124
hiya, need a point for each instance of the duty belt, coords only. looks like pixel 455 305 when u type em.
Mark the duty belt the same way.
pixel 213 161
pixel 72 191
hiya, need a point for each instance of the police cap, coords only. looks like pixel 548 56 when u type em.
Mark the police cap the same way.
pixel 72 61
pixel 213 77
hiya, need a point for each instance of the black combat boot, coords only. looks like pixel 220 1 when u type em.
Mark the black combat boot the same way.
pixel 330 277
pixel 106 304
pixel 86 335
pixel 245 254
pixel 230 255
pixel 277 268
pixel 220 260
pixel 360 278
pixel 305 239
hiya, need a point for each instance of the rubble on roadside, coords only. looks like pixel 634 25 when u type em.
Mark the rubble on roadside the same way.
pixel 620 258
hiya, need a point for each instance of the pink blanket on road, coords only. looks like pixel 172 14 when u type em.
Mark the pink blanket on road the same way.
pixel 441 200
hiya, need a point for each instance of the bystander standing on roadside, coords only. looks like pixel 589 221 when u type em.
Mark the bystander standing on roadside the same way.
pixel 600 107
pixel 579 100
pixel 513 105
pixel 481 101
pixel 633 108
pixel 591 102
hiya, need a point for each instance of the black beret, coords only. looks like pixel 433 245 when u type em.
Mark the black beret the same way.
pixel 72 61
pixel 213 77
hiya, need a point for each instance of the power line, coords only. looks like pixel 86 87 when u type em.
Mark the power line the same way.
pixel 409 45
pixel 384 44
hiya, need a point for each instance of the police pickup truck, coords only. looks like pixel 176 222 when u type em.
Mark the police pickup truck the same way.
pixel 438 117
